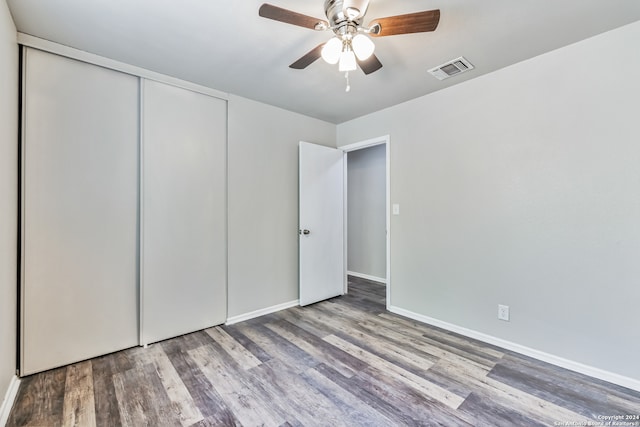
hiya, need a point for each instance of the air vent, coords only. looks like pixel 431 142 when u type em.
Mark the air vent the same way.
pixel 451 68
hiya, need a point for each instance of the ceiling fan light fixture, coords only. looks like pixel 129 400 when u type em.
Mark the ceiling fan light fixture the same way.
pixel 347 61
pixel 362 46
pixel 331 51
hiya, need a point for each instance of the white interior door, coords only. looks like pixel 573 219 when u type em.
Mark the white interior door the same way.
pixel 322 273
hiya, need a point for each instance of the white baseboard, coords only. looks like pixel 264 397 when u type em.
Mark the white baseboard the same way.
pixel 611 377
pixel 367 277
pixel 261 312
pixel 9 398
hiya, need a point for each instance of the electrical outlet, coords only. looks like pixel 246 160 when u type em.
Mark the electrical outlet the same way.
pixel 503 312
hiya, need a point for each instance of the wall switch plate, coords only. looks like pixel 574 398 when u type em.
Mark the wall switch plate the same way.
pixel 503 312
pixel 396 209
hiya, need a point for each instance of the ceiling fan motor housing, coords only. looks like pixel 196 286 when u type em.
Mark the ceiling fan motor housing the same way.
pixel 340 11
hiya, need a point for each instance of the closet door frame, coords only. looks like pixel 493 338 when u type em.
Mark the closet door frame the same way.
pixel 26 42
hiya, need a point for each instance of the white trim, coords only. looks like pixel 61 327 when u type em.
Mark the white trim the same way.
pixel 367 276
pixel 141 300
pixel 345 222
pixel 261 312
pixel 9 398
pixel 386 140
pixel 591 371
pixel 388 195
pixel 80 55
pixel 23 173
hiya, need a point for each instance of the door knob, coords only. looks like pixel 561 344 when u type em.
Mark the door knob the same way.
pixel 304 231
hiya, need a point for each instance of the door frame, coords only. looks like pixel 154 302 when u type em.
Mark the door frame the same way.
pixel 384 139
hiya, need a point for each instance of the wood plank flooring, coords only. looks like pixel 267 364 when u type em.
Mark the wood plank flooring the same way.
pixel 342 362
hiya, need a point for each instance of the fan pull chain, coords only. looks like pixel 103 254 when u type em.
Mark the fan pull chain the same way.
pixel 346 76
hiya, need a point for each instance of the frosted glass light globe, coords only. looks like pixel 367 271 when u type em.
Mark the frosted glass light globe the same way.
pixel 362 46
pixel 347 61
pixel 331 50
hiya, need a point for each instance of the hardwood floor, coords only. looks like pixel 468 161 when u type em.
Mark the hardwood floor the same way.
pixel 342 362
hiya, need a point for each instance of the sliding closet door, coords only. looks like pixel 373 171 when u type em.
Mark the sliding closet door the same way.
pixel 80 160
pixel 184 260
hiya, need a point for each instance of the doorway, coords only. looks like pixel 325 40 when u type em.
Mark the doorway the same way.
pixel 367 210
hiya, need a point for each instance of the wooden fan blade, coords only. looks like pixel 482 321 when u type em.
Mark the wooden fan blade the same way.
pixel 285 15
pixel 419 22
pixel 308 58
pixel 370 64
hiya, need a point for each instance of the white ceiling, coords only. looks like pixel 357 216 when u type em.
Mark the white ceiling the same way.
pixel 225 45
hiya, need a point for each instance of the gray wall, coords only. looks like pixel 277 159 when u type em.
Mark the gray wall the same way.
pixel 522 187
pixel 366 208
pixel 8 195
pixel 263 201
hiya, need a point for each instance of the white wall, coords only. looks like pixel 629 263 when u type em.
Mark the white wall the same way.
pixel 8 195
pixel 522 187
pixel 263 201
pixel 367 222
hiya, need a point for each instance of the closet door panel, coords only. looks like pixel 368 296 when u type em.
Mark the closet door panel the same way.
pixel 80 165
pixel 184 211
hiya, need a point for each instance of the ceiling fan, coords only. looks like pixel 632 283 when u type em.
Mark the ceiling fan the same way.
pixel 351 44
